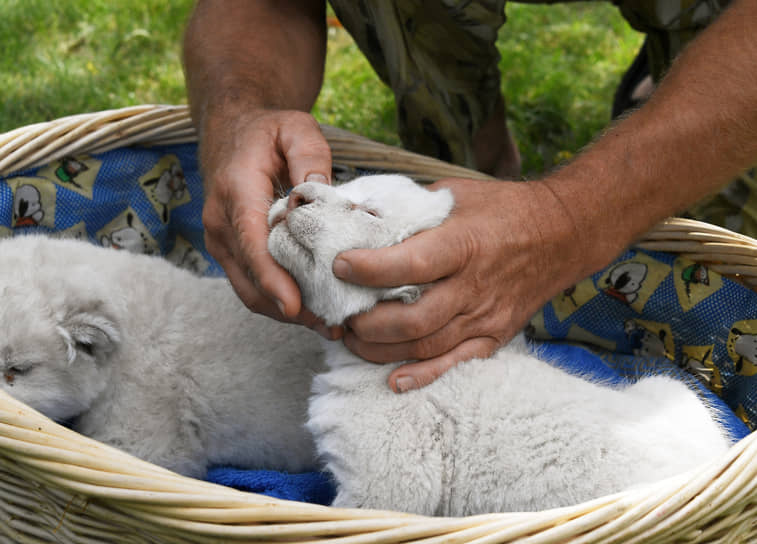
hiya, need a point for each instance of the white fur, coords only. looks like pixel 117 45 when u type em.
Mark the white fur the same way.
pixel 509 433
pixel 503 434
pixel 174 369
pixel 145 356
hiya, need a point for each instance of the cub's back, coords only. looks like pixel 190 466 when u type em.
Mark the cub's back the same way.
pixel 509 433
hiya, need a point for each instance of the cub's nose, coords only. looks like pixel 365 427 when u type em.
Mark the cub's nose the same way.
pixel 301 195
pixel 297 199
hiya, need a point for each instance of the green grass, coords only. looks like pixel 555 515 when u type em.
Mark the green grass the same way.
pixel 72 56
pixel 560 66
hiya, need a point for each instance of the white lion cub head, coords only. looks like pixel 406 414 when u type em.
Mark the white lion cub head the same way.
pixel 316 222
pixel 56 333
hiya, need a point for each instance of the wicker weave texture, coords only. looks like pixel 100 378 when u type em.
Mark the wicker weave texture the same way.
pixel 58 486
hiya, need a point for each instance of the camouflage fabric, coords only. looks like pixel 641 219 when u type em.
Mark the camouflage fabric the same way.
pixel 669 25
pixel 439 58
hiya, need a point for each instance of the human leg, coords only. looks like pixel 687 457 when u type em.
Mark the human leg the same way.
pixel 441 62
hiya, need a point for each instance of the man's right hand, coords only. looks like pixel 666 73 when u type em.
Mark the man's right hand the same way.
pixel 248 161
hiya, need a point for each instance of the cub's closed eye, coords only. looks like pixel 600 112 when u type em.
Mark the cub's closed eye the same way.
pixel 19 370
pixel 363 209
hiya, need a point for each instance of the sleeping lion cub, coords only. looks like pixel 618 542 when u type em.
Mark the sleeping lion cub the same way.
pixel 173 368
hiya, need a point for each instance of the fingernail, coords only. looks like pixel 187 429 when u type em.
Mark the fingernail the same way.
pixel 281 307
pixel 405 383
pixel 341 268
pixel 318 178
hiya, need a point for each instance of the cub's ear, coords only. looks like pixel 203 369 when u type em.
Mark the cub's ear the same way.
pixel 406 293
pixel 90 334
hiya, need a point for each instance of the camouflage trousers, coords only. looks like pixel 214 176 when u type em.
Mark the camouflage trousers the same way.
pixel 440 59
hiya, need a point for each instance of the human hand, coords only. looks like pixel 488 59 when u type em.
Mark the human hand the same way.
pixel 505 250
pixel 248 159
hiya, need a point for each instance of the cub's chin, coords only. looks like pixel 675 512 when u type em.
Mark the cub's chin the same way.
pixel 328 297
pixel 289 252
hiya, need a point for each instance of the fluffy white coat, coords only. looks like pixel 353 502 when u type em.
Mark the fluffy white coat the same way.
pixel 171 367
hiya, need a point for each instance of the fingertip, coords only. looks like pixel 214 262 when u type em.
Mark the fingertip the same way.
pixel 282 290
pixel 363 267
pixel 318 177
pixel 289 305
pixel 402 384
pixel 416 375
pixel 415 260
pixel 341 268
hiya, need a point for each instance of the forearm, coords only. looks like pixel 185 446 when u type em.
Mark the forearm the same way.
pixel 246 54
pixel 697 132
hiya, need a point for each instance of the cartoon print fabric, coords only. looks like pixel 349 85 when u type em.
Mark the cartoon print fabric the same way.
pixel 648 312
pixel 137 199
pixel 652 312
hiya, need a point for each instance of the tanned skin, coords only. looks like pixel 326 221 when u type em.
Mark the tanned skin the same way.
pixel 253 70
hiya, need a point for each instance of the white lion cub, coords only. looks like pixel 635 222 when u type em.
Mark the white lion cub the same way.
pixel 501 434
pixel 142 355
pixel 173 368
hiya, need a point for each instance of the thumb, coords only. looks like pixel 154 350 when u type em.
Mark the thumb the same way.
pixel 423 258
pixel 307 153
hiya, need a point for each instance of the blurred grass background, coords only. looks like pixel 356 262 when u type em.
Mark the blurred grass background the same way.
pixel 560 66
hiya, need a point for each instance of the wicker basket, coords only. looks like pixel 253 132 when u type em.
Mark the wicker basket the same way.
pixel 58 486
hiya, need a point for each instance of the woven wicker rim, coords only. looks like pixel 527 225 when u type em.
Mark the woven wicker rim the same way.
pixel 102 485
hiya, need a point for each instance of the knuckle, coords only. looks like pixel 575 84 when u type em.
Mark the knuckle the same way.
pixel 217 247
pixel 264 281
pixel 302 120
pixel 499 327
pixel 438 369
pixel 415 328
pixel 360 328
pixel 310 140
pixel 425 348
pixel 213 222
pixel 418 262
